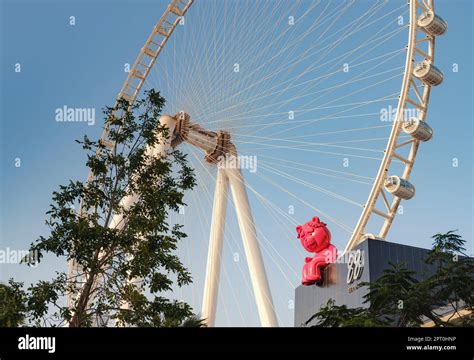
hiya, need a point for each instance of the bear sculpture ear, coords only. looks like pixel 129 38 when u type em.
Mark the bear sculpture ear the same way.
pixel 298 230
pixel 315 220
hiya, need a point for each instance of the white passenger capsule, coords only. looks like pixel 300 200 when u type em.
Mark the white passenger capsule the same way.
pixel 418 129
pixel 432 24
pixel 399 187
pixel 428 73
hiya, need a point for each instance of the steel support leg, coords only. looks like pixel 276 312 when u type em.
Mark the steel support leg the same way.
pixel 216 241
pixel 258 275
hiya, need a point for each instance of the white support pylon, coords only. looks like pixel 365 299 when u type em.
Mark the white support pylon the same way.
pixel 216 241
pixel 258 275
pixel 216 146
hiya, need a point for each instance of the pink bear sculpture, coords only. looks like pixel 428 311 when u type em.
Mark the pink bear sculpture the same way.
pixel 316 238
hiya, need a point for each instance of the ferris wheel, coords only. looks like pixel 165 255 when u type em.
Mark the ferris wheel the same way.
pixel 318 107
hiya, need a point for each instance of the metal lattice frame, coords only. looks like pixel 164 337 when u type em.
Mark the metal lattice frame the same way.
pixel 421 102
pixel 148 55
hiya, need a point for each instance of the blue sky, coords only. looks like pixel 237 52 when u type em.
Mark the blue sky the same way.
pixel 83 66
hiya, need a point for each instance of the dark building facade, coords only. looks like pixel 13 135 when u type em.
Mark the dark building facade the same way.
pixel 341 279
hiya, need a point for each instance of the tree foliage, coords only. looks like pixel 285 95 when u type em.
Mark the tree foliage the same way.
pixel 12 304
pixel 126 255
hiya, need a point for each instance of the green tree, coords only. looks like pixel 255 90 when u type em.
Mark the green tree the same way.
pixel 452 284
pixel 124 271
pixel 194 321
pixel 397 298
pixel 12 304
pixel 332 315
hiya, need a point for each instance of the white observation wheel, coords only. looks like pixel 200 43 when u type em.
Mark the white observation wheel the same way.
pixel 220 128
